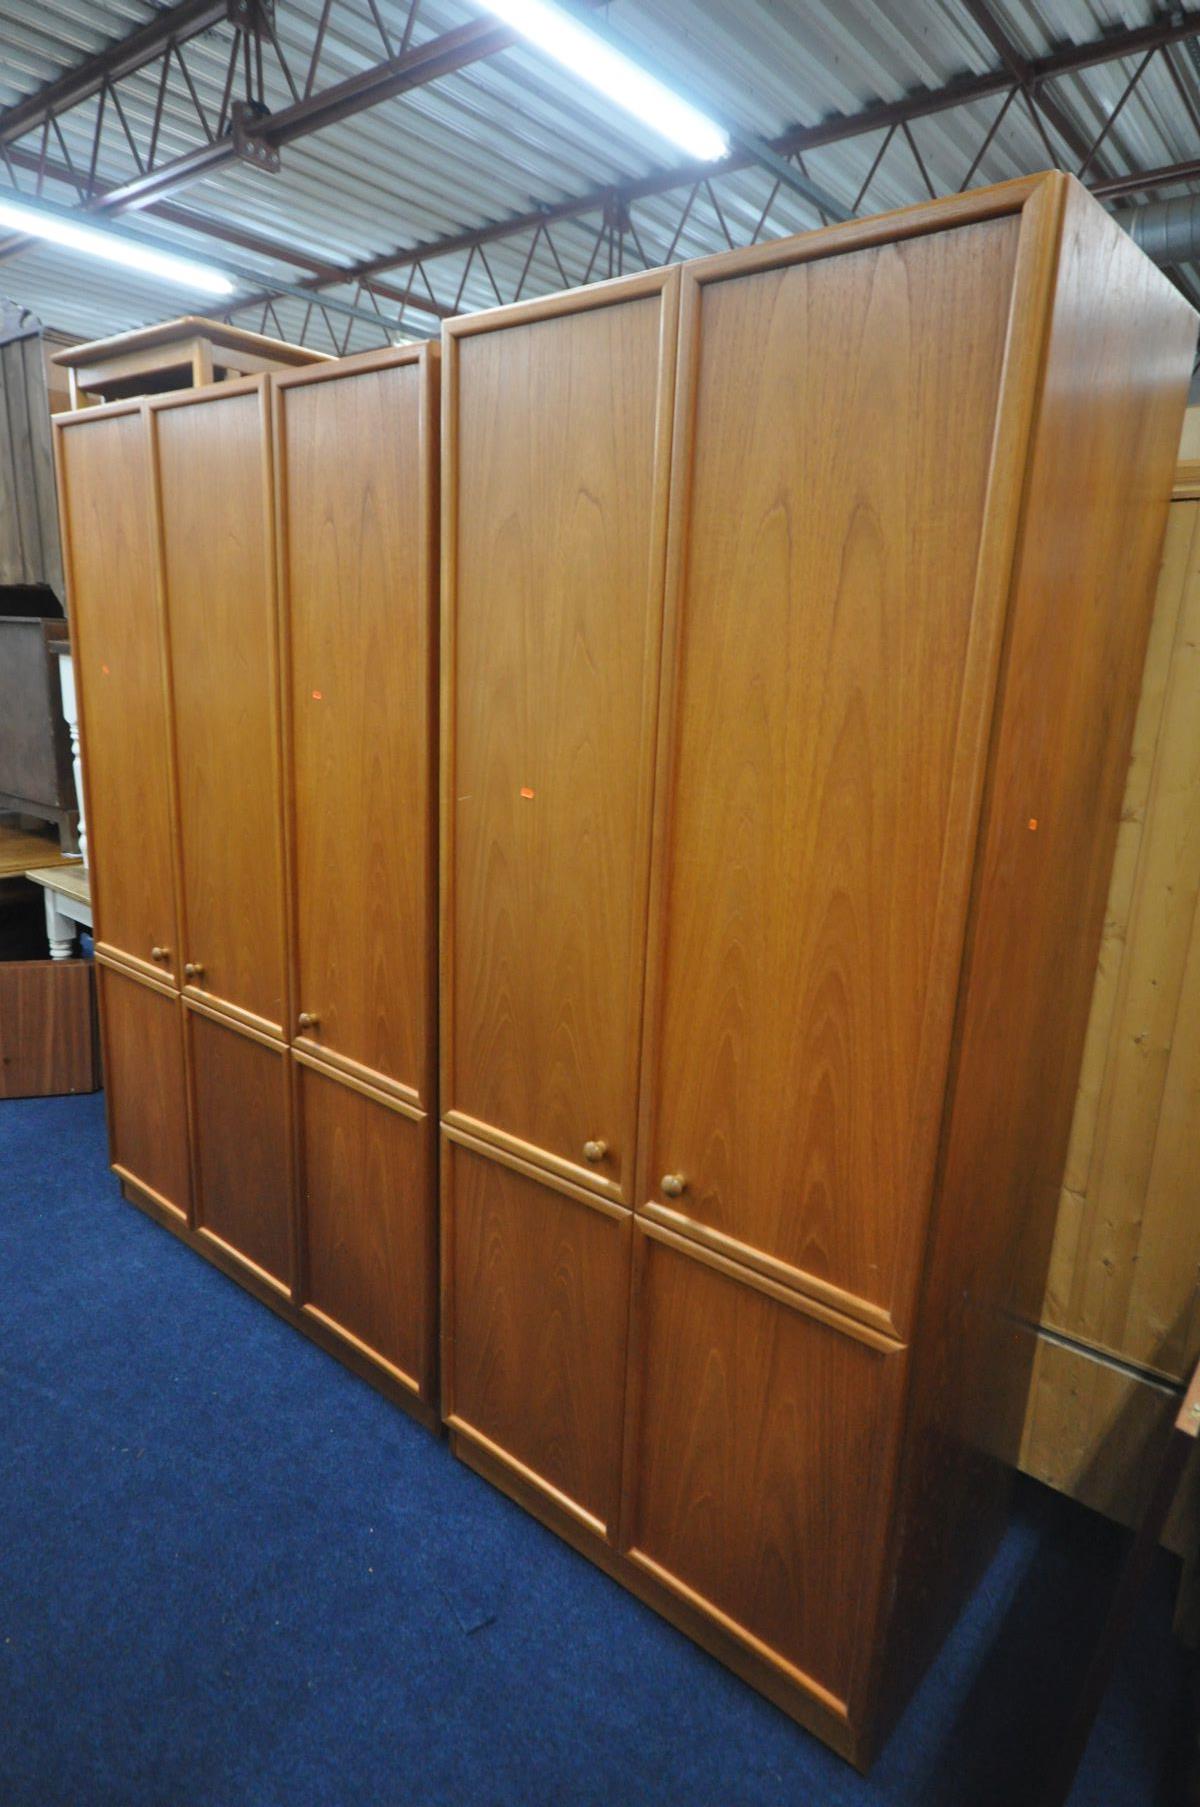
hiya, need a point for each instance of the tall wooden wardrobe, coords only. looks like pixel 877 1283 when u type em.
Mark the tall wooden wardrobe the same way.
pixel 252 576
pixel 793 614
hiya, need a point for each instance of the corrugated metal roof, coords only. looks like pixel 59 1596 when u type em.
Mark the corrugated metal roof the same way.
pixel 514 131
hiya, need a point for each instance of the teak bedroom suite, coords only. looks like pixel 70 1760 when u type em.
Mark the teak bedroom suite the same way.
pixel 601 831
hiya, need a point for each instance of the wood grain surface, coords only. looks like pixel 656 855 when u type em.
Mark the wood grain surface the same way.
pixel 26 850
pixel 145 1090
pixel 555 487
pixel 109 544
pixel 242 1140
pixel 1123 1279
pixel 756 1459
pixel 836 480
pixel 536 1300
pixel 1100 467
pixel 213 467
pixel 47 1028
pixel 355 478
pixel 368 1223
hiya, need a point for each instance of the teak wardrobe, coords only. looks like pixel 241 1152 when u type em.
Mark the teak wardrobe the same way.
pixel 252 579
pixel 792 612
pixel 794 606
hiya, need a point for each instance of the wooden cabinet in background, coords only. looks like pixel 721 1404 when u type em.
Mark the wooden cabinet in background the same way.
pixel 911 539
pixel 48 1040
pixel 283 773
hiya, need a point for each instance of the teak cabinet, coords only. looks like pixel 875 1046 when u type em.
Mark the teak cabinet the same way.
pixel 793 611
pixel 252 580
pixel 793 604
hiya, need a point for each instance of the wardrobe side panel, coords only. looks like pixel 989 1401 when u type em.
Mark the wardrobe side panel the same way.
pixel 1118 364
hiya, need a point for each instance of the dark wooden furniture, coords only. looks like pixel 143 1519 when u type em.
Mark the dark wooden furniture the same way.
pixel 794 610
pixel 47 1028
pixel 252 572
pixel 36 778
pixel 29 548
pixel 22 849
pixel 187 353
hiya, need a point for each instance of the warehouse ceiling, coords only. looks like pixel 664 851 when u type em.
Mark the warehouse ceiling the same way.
pixel 368 167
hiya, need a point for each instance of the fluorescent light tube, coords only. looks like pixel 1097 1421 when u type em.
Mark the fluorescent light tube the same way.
pixel 594 60
pixel 113 249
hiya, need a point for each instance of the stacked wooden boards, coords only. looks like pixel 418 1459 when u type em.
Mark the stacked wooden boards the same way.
pixel 1120 1325
pixel 252 574
pixel 793 605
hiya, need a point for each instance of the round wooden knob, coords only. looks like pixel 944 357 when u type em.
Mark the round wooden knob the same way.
pixel 673 1184
pixel 595 1151
pixel 306 1020
pixel 192 971
pixel 160 953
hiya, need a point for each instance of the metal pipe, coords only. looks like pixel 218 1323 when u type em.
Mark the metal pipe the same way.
pixel 1167 231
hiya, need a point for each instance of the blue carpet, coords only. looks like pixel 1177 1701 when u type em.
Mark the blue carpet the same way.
pixel 232 1576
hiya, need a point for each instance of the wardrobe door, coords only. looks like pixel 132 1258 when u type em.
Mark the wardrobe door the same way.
pixel 243 1144
pixel 144 1086
pixel 535 1307
pixel 368 1223
pixel 829 712
pixel 555 469
pixel 214 476
pixel 760 1440
pixel 108 536
pixel 356 510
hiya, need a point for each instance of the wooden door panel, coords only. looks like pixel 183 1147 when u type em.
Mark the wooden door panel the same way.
pixel 367 1213
pixel 809 865
pixel 355 473
pixel 758 1459
pixel 221 619
pixel 145 1086
pixel 536 1306
pixel 555 592
pixel 117 648
pixel 243 1155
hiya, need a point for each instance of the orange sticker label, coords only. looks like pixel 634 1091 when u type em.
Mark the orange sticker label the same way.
pixel 317 697
pixel 1033 821
pixel 525 791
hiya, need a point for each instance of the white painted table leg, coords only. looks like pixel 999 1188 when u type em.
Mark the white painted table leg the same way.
pixel 66 683
pixel 60 930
